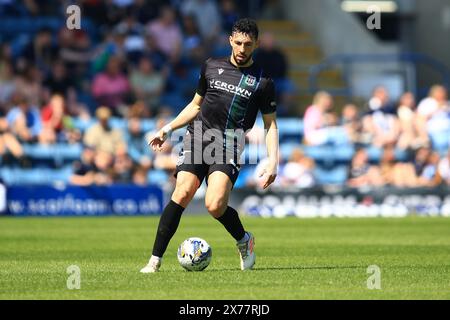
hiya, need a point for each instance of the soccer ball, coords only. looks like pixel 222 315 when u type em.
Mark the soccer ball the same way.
pixel 194 254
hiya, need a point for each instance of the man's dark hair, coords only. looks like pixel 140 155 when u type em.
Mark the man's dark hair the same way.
pixel 246 26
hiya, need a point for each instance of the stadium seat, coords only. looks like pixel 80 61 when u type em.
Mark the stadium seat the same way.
pixel 82 124
pixel 337 175
pixel 57 153
pixel 290 130
pixel 287 148
pixel 440 141
pixel 148 125
pixel 159 177
pixel 244 175
pixel 13 176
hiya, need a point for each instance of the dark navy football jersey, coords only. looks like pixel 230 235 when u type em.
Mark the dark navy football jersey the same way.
pixel 232 96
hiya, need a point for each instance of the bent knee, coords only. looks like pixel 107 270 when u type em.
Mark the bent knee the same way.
pixel 183 195
pixel 216 207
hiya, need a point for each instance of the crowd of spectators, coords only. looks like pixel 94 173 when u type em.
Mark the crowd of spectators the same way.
pixel 140 60
pixel 419 131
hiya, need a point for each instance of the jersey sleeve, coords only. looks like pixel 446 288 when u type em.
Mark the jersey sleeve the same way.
pixel 268 102
pixel 202 83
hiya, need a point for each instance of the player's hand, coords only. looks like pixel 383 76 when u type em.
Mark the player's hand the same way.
pixel 268 175
pixel 158 139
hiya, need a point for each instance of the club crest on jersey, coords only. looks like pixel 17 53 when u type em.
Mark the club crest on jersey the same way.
pixel 250 81
pixel 220 71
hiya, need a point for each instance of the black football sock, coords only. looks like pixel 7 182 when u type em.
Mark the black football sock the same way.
pixel 168 224
pixel 231 222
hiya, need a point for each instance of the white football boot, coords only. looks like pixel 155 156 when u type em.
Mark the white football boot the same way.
pixel 246 252
pixel 153 265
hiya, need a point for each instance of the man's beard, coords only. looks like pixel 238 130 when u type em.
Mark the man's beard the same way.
pixel 241 63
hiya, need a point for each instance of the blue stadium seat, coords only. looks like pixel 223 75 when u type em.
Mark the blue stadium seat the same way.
pixel 148 125
pixel 56 153
pixel 159 177
pixel 440 141
pixel 119 123
pixel 175 101
pixel 245 173
pixel 287 148
pixel 290 130
pixel 337 175
pixel 253 153
pixel 63 150
pixel 14 176
pixel 82 124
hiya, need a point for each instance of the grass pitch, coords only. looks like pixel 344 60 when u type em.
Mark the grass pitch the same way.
pixel 296 259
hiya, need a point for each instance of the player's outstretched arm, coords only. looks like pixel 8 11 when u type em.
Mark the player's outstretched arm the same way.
pixel 269 173
pixel 186 116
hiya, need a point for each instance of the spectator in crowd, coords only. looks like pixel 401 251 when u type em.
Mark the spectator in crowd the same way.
pixel 57 124
pixel 42 51
pixel 103 170
pixel 193 48
pixel 7 83
pixel 351 123
pixel 434 116
pixel 134 41
pixel 76 52
pixel 396 174
pixel 123 166
pixel 444 168
pixel 84 169
pixel 436 100
pixel 421 159
pixel 59 81
pixel 207 16
pixel 275 65
pixel 361 173
pixel 167 34
pixel 101 136
pixel 75 107
pixel 111 88
pixel 229 14
pixel 29 83
pixel 379 101
pixel 380 121
pixel 139 110
pixel 145 10
pixel 316 127
pixel 271 58
pixel 158 57
pixel 24 121
pixel 147 83
pixel 298 170
pixel 140 176
pixel 429 176
pixel 97 11
pixel 8 142
pixel 138 148
pixel 412 135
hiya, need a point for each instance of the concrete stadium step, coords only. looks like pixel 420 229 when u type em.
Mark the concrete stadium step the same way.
pixel 328 78
pixel 293 38
pixel 306 51
pixel 278 26
pixel 302 53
